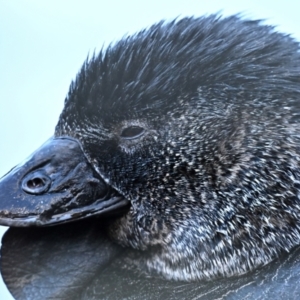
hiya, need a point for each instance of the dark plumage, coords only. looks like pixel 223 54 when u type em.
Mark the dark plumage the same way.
pixel 214 178
pixel 195 123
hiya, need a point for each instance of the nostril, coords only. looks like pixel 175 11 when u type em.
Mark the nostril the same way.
pixel 36 183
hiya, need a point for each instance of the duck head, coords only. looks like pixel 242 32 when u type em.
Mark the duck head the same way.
pixel 181 131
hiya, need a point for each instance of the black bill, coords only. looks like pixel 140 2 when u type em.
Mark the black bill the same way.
pixel 55 185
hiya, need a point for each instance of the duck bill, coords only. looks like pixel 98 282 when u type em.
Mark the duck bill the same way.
pixel 56 184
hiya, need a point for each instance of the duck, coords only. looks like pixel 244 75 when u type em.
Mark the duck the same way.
pixel 182 142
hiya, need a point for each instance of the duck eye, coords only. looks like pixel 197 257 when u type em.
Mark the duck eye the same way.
pixel 132 132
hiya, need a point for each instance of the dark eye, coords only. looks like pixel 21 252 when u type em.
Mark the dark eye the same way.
pixel 132 132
